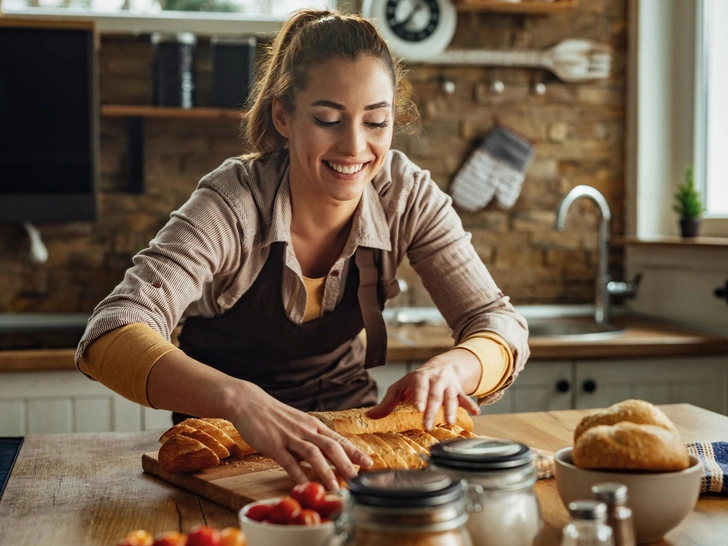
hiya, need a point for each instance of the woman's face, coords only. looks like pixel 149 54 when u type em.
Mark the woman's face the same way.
pixel 341 129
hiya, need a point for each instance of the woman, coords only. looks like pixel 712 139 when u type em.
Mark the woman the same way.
pixel 279 259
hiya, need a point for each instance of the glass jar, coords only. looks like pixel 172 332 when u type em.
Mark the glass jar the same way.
pixel 619 515
pixel 403 508
pixel 501 475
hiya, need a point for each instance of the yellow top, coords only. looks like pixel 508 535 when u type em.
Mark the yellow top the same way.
pixel 122 358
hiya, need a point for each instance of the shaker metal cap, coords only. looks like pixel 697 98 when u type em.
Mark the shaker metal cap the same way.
pixel 187 38
pixel 610 493
pixel 588 509
pixel 480 454
pixel 405 489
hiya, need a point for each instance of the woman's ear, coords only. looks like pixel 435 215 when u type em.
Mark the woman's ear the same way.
pixel 281 119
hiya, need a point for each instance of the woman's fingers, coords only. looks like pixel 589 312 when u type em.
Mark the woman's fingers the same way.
pixel 450 403
pixel 313 455
pixel 469 404
pixel 388 403
pixel 434 403
pixel 290 465
pixel 353 453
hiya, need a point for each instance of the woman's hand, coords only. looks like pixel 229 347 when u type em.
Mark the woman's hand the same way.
pixel 441 382
pixel 288 435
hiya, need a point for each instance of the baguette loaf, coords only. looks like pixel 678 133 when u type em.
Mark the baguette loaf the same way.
pixel 404 417
pixel 634 411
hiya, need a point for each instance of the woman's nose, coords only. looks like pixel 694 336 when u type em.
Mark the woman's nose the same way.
pixel 353 142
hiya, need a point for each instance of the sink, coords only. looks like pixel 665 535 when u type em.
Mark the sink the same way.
pixel 567 322
pixel 572 328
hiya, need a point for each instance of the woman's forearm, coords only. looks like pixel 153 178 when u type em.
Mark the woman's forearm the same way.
pixel 179 383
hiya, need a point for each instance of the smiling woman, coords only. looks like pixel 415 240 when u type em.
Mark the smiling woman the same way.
pixel 281 258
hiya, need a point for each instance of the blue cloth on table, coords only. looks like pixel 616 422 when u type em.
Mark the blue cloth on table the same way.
pixel 714 456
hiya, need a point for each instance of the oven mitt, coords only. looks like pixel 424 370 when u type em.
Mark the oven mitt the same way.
pixel 496 168
pixel 714 456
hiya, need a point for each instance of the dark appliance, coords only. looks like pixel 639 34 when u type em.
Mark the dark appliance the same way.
pixel 233 65
pixel 49 121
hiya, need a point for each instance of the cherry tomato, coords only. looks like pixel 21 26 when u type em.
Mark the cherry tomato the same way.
pixel 259 512
pixel 307 517
pixel 232 536
pixel 170 538
pixel 310 494
pixel 137 538
pixel 284 511
pixel 329 506
pixel 201 535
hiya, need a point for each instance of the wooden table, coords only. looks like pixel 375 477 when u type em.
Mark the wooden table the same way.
pixel 88 489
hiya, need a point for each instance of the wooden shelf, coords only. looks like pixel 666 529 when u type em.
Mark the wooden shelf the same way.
pixel 161 112
pixel 667 241
pixel 526 7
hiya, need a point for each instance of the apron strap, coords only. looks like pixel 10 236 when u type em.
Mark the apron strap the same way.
pixel 371 313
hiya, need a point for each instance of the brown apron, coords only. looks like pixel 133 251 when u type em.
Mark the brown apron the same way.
pixel 320 365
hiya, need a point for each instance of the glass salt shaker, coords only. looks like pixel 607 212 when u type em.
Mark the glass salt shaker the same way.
pixel 619 516
pixel 500 476
pixel 403 508
pixel 588 525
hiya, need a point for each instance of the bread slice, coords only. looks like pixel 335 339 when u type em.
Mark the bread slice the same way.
pixel 405 452
pixel 202 436
pixel 391 458
pixel 420 437
pixel 442 434
pixel 421 451
pixel 377 461
pixel 241 447
pixel 404 417
pixel 179 428
pixel 180 454
pixel 640 412
pixel 212 430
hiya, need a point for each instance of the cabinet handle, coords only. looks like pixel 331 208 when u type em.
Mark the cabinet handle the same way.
pixel 721 292
pixel 589 386
pixel 563 385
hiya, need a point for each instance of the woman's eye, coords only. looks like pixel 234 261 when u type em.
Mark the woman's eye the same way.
pixel 380 125
pixel 322 123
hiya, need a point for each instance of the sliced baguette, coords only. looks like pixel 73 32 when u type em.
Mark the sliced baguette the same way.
pixel 443 434
pixel 382 448
pixel 209 441
pixel 405 452
pixel 377 461
pixel 212 430
pixel 241 447
pixel 420 437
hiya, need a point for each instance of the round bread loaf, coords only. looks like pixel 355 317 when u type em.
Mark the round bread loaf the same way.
pixel 635 411
pixel 630 446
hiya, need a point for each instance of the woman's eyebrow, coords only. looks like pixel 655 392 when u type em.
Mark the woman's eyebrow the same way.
pixel 337 106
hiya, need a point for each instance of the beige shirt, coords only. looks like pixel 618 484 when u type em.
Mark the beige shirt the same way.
pixel 212 249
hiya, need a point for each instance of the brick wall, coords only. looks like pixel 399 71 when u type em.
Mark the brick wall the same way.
pixel 578 130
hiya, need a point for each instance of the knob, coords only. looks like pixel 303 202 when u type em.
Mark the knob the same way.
pixel 722 292
pixel 563 385
pixel 589 385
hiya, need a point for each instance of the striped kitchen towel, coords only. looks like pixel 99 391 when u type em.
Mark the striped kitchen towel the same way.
pixel 714 456
pixel 496 169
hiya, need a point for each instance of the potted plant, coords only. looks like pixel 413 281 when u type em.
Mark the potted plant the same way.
pixel 688 205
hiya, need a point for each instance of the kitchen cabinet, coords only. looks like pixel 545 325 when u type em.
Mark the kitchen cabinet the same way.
pixel 61 401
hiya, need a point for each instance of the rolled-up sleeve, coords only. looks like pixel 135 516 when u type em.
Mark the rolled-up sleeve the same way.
pixel 458 282
pixel 201 239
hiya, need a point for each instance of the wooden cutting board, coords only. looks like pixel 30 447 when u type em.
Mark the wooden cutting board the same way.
pixel 233 484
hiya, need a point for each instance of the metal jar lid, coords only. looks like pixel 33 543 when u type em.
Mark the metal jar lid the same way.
pixel 405 489
pixel 480 454
pixel 186 38
pixel 588 510
pixel 224 40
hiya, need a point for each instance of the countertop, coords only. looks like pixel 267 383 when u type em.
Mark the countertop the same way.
pixel 642 338
pixel 89 489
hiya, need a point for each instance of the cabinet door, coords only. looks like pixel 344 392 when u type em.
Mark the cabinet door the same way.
pixel 543 385
pixel 702 381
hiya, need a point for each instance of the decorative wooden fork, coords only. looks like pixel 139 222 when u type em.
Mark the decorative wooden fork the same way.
pixel 572 60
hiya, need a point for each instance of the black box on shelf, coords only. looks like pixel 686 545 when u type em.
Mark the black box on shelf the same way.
pixel 233 67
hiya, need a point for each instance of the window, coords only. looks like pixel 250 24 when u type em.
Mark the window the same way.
pixel 712 106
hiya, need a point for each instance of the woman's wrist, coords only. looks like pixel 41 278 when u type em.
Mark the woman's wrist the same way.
pixel 467 367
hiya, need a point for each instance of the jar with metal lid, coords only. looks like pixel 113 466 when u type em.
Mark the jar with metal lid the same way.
pixel 619 515
pixel 501 474
pixel 174 69
pixel 403 508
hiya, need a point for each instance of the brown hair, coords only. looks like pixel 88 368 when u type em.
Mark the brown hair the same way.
pixel 310 37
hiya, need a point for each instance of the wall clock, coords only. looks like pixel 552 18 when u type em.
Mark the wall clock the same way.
pixel 415 29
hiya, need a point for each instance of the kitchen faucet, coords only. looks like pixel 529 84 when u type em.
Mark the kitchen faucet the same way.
pixel 605 287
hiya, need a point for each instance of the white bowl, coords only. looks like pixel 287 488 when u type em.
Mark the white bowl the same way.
pixel 260 533
pixel 659 500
